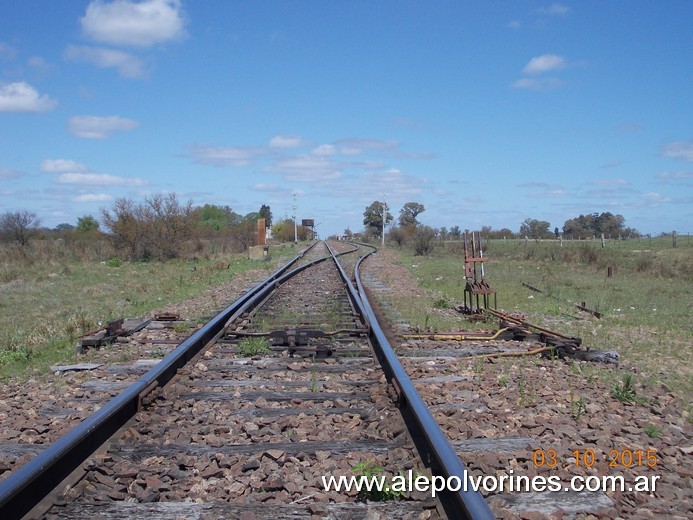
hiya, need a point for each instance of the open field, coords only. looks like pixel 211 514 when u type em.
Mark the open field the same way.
pixel 646 304
pixel 45 306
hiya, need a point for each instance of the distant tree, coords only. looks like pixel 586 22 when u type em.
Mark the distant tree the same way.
pixel 87 224
pixel 348 234
pixel 216 218
pixel 423 239
pixel 408 214
pixel 19 226
pixel 267 215
pixel 505 233
pixel 397 235
pixel 63 227
pixel 373 218
pixel 455 233
pixel 283 231
pixel 443 233
pixel 534 228
pixel 556 232
pixel 587 226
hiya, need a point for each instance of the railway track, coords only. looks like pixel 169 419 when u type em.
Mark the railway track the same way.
pixel 293 382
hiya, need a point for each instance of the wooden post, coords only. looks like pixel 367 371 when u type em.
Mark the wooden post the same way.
pixel 603 240
pixel 673 238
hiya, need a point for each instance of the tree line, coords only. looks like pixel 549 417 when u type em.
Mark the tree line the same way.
pixel 159 228
pixel 162 227
pixel 406 229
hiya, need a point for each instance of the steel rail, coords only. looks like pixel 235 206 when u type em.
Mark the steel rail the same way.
pixel 30 484
pixel 429 439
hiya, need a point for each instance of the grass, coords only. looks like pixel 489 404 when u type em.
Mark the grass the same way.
pixel 45 306
pixel 645 304
pixel 251 346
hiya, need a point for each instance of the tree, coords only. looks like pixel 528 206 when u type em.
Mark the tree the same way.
pixel 534 228
pixel 408 214
pixel 19 226
pixel 283 231
pixel 157 228
pixel 373 218
pixel 397 235
pixel 87 224
pixel 216 218
pixel 586 226
pixel 267 215
pixel 423 238
pixel 63 227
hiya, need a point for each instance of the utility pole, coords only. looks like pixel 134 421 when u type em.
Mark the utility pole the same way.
pixel 384 218
pixel 295 225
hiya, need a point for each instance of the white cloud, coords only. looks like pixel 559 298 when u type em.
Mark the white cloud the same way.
pixel 611 164
pixel 7 173
pixel 668 176
pixel 236 156
pixel 93 197
pixel 286 141
pixel 539 83
pixel 140 24
pixel 6 52
pixel 555 10
pixel 127 65
pixel 71 172
pixel 62 166
pixel 261 186
pixel 514 24
pixel 358 146
pixel 324 150
pixel 655 198
pixel 22 97
pixel 544 63
pixel 306 168
pixel 94 127
pixel 679 150
pixel 612 182
pixel 396 184
pixel 98 179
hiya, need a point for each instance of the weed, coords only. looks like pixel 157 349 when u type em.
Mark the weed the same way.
pixel 20 355
pixel 370 470
pixel 503 380
pixel 625 392
pixel 478 366
pixel 253 346
pixel 652 431
pixel 527 395
pixel 181 328
pixel 441 303
pixel 114 262
pixel 578 407
pixel 313 378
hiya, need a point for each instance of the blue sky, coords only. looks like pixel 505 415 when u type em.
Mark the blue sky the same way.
pixel 487 113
